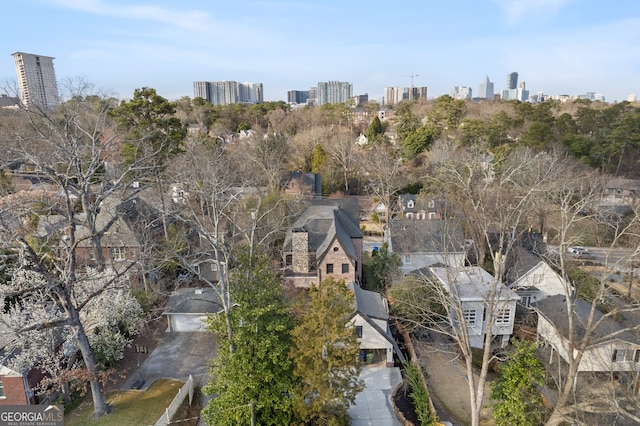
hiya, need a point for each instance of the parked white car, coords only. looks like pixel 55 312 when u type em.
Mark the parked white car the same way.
pixel 580 252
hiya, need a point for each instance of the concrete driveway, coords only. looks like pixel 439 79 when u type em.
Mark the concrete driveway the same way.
pixel 176 356
pixel 373 405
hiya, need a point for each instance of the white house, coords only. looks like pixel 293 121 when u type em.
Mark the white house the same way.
pixel 610 345
pixel 472 286
pixel 370 320
pixel 537 283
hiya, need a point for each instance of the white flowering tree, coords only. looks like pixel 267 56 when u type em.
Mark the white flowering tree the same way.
pixel 42 335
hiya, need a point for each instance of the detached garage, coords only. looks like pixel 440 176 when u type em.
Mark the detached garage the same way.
pixel 187 309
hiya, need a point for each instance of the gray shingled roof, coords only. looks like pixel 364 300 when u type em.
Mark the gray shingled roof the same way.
pixel 521 262
pixel 323 224
pixel 426 236
pixel 554 308
pixel 369 303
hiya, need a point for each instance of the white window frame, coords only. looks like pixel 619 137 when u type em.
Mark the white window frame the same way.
pixel 470 316
pixel 503 316
pixel 118 253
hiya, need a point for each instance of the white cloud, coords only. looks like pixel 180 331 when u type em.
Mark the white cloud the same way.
pixel 197 20
pixel 518 10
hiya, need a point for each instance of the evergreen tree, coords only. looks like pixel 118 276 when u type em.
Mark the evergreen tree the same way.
pixel 325 355
pixel 258 370
pixel 518 400
pixel 375 130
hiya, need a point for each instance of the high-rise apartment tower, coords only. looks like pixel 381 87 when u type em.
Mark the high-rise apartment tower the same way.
pixel 36 80
pixel 228 92
pixel 512 81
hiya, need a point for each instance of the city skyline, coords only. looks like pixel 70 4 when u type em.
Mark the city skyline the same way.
pixel 557 46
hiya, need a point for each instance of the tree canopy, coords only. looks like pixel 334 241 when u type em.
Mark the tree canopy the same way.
pixel 325 355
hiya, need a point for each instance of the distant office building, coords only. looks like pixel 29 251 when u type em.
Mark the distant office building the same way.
pixel 36 80
pixel 297 96
pixel 418 92
pixel 512 81
pixel 593 96
pixel 333 92
pixel 360 99
pixel 486 89
pixel 228 92
pixel 394 95
pixel 513 91
pixel 313 96
pixel 462 92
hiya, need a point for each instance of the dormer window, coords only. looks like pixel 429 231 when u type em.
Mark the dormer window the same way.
pixel 411 204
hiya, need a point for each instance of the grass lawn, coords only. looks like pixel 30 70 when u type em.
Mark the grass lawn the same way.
pixel 133 407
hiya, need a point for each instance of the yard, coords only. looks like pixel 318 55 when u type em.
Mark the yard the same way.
pixel 133 407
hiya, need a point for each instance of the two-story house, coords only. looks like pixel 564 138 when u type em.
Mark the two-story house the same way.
pixel 324 241
pixel 420 207
pixel 474 292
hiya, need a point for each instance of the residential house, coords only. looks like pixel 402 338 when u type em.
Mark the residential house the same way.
pixel 532 278
pixel 425 243
pixel 620 196
pixel 611 346
pixel 621 192
pixel 14 389
pixel 420 207
pixel 305 185
pixel 371 322
pixel 471 286
pixel 187 309
pixel 119 245
pixel 324 241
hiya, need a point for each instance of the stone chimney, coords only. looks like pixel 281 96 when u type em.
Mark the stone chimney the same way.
pixel 300 249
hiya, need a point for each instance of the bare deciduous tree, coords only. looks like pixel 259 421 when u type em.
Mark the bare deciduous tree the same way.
pixel 75 153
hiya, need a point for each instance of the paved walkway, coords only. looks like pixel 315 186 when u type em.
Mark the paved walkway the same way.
pixel 373 405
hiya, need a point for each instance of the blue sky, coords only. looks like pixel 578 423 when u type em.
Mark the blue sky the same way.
pixel 557 46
